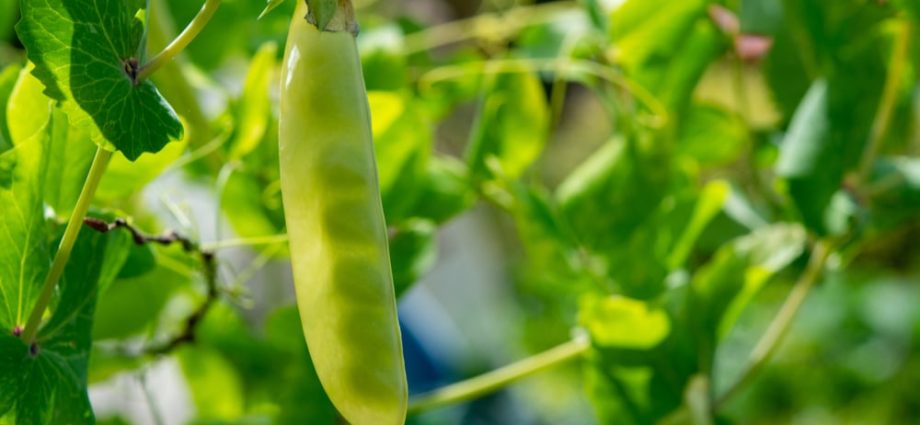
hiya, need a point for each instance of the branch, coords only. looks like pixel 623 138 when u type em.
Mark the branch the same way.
pixel 499 378
pixel 208 261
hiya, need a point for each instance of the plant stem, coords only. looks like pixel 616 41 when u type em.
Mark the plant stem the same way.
pixel 245 242
pixel 182 41
pixel 171 79
pixel 493 25
pixel 499 378
pixel 896 68
pixel 659 113
pixel 100 162
pixel 778 329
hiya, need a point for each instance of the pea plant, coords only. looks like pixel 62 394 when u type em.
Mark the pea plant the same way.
pixel 708 208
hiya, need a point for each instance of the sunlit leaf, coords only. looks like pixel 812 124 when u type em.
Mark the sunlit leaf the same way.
pixel 46 383
pixel 86 53
pixel 624 323
pixel 511 128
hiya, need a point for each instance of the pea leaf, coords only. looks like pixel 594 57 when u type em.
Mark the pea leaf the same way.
pixel 402 142
pixel 511 129
pixel 252 204
pixel 23 251
pixel 46 383
pixel 28 110
pixel 204 370
pixel 383 62
pixel 85 52
pixel 253 109
pixel 725 286
pixel 132 305
pixel 664 45
pixel 446 190
pixel 124 178
pixel 8 78
pixel 609 195
pixel 624 323
pixel 70 154
pixel 711 135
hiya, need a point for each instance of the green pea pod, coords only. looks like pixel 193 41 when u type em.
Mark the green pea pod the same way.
pixel 338 237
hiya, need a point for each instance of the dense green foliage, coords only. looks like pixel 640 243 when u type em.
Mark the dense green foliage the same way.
pixel 721 196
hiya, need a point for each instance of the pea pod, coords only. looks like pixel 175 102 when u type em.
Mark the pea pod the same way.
pixel 332 206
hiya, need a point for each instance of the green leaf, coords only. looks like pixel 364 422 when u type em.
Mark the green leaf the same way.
pixel 287 386
pixel 511 128
pixel 702 46
pixel 131 306
pixel 28 110
pixel 665 46
pixel 252 204
pixel 547 242
pixel 711 201
pixel 81 50
pixel 711 135
pixel 23 247
pixel 611 193
pixel 895 191
pixel 8 78
pixel 619 322
pixel 70 155
pixel 206 370
pixel 812 163
pixel 413 251
pixel 125 178
pixel 725 286
pixel 383 62
pixel 402 144
pixel 140 261
pixel 621 394
pixel 253 109
pixel 48 381
pixel 446 190
pixel 303 399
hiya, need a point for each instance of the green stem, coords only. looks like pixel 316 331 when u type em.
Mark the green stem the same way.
pixel 499 378
pixel 182 41
pixel 896 69
pixel 171 79
pixel 659 113
pixel 778 329
pixel 100 162
pixel 241 242
pixel 492 25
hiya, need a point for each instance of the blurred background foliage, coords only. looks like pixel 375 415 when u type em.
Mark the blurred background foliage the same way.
pixel 656 173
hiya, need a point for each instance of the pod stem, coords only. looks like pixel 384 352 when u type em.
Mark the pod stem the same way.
pixel 499 378
pixel 181 41
pixel 245 242
pixel 100 162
